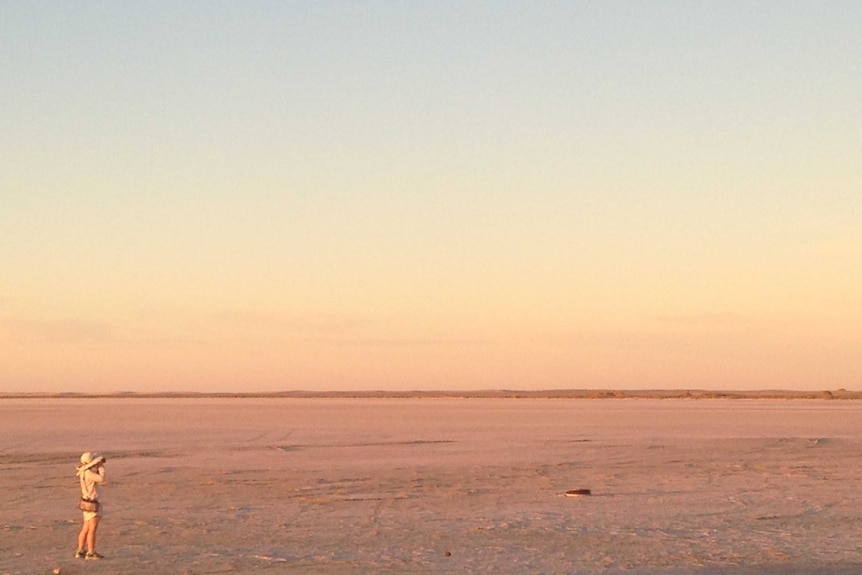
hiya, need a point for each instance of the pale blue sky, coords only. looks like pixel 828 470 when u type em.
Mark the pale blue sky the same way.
pixel 584 173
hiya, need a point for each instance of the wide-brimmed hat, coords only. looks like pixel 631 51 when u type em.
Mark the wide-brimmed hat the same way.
pixel 88 460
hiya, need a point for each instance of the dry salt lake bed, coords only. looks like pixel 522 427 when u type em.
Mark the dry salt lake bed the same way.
pixel 436 485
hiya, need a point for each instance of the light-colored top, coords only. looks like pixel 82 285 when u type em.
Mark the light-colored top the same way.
pixel 89 479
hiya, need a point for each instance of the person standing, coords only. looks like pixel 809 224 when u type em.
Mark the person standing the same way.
pixel 90 473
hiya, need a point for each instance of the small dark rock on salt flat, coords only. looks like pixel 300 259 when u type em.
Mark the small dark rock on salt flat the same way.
pixel 577 492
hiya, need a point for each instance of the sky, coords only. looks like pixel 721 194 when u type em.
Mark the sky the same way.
pixel 284 195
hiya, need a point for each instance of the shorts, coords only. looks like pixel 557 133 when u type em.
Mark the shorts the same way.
pixel 90 514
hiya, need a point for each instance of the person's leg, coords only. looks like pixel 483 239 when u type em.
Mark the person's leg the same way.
pixel 82 536
pixel 91 534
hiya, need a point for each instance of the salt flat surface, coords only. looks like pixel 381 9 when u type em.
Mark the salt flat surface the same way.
pixel 346 486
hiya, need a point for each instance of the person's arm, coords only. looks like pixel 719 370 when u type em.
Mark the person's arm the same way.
pixel 97 476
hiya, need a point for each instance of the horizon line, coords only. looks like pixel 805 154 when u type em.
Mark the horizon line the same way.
pixel 453 394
